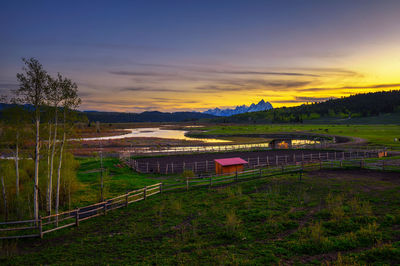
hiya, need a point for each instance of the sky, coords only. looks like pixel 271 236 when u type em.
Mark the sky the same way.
pixel 135 56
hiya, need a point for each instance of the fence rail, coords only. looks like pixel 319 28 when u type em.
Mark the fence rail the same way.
pixel 71 218
pixel 54 222
pixel 168 150
pixel 201 167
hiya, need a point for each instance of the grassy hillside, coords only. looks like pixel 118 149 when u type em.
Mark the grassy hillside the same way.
pixel 265 221
pixel 382 135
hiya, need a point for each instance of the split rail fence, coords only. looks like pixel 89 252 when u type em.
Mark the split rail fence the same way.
pixel 47 224
pixel 71 218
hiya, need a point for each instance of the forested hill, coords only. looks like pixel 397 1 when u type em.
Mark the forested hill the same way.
pixel 154 116
pixel 119 117
pixel 347 108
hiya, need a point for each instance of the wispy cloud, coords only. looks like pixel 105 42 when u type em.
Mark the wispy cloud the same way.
pixel 149 89
pixel 372 86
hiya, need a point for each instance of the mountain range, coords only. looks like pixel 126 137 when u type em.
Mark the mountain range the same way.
pixel 260 106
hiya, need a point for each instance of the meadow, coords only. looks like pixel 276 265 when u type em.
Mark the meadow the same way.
pixel 336 216
pixel 375 135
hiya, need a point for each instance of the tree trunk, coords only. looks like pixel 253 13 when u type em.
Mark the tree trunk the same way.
pixel 36 180
pixel 4 198
pixel 52 160
pixel 48 196
pixel 17 165
pixel 59 171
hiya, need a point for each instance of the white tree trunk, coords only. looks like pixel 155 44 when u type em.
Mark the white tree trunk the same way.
pixel 36 180
pixel 52 161
pixel 48 196
pixel 59 174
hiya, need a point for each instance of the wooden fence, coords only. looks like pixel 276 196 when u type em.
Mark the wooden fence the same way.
pixel 71 218
pixel 300 167
pixel 168 150
pixel 47 224
pixel 208 166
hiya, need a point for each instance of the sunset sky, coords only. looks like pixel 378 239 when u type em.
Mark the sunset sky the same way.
pixel 135 56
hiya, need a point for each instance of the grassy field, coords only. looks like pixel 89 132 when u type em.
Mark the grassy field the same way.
pixel 117 180
pixel 382 135
pixel 341 216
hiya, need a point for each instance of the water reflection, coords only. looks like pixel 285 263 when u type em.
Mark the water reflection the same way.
pixel 152 132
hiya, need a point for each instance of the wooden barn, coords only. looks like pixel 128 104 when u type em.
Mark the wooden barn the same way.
pixel 229 165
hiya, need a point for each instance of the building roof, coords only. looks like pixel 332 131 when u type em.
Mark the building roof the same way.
pixel 230 161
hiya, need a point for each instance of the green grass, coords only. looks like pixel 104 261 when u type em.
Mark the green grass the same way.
pixel 346 218
pixel 382 135
pixel 117 180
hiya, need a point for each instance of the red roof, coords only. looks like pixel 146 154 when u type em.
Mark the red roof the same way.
pixel 230 161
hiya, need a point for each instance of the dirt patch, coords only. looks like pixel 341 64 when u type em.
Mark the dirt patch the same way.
pixel 366 180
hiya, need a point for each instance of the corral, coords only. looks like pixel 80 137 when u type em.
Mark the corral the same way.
pixel 204 162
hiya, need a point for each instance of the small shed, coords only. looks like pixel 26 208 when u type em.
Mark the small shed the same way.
pixel 229 165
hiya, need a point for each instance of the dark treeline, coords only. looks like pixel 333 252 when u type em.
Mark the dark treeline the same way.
pixel 359 105
pixel 118 117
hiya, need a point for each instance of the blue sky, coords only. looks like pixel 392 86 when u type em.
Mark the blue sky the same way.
pixel 193 55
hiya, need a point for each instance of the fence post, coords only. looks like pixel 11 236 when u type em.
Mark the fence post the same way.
pixel 184 166
pixel 40 225
pixel 276 158
pixel 195 167
pixel 105 208
pixel 267 161
pixel 172 167
pixel 260 172
pixel 335 155
pixel 187 183
pixel 77 217
pixel 294 158
pixel 158 167
pixel 147 167
pixel 144 192
pixel 160 187
pixel 206 165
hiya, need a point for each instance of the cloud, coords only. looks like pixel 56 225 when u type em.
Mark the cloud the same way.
pixel 149 89
pixel 140 73
pixel 373 86
pixel 248 72
pixel 253 85
pixel 313 99
pixel 304 99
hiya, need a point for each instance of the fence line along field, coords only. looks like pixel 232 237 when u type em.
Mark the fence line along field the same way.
pixel 204 162
pixel 51 223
